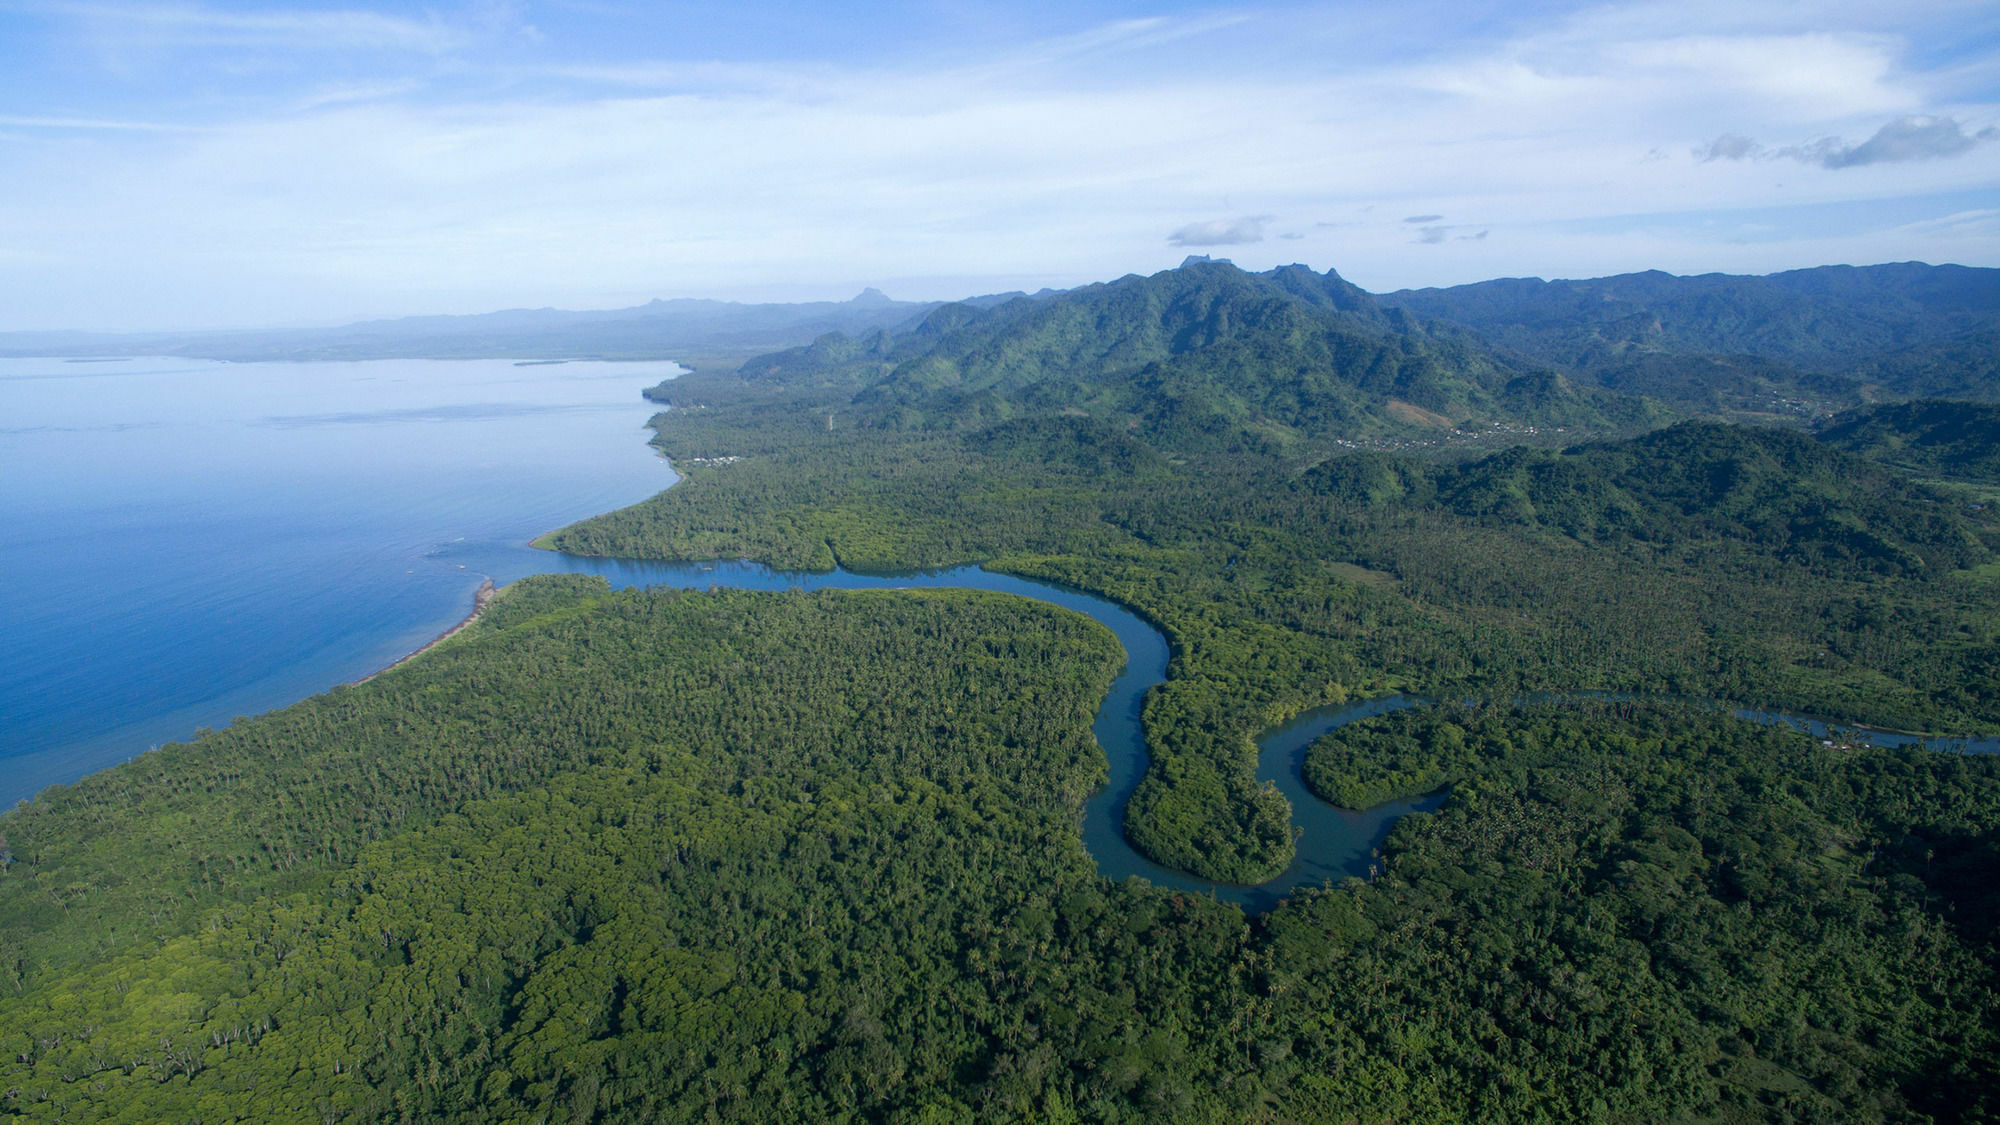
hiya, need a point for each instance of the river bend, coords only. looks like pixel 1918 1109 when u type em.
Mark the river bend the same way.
pixel 1332 843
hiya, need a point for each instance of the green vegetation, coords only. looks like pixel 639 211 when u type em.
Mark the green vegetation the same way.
pixel 650 853
pixel 1629 913
pixel 1701 561
pixel 1955 441
pixel 1793 344
pixel 1205 358
pixel 748 857
pixel 784 856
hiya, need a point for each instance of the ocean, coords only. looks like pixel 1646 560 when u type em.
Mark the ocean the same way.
pixel 188 541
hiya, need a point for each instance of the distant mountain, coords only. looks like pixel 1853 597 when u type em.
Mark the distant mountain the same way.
pixel 656 330
pixel 1205 356
pixel 1836 331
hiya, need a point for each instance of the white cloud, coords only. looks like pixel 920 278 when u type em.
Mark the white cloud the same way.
pixel 1812 75
pixel 395 194
pixel 1221 232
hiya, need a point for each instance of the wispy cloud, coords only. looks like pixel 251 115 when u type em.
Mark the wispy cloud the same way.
pixel 1221 232
pixel 351 93
pixel 203 26
pixel 1125 36
pixel 1902 140
pixel 1907 138
pixel 1728 146
pixel 1041 60
pixel 1979 222
pixel 94 124
pixel 1437 234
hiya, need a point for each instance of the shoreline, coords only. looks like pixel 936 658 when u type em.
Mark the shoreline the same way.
pixel 481 598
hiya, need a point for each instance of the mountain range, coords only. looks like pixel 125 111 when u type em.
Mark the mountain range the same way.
pixel 1201 358
pixel 1209 356
pixel 1835 334
pixel 655 330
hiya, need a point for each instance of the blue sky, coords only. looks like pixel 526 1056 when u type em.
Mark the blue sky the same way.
pixel 169 165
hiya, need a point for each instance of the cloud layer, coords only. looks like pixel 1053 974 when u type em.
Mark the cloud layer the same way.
pixel 1902 140
pixel 175 164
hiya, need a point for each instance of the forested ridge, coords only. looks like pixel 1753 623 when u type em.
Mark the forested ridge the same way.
pixel 1705 560
pixel 727 856
pixel 1787 344
pixel 1201 358
pixel 1930 438
pixel 1821 318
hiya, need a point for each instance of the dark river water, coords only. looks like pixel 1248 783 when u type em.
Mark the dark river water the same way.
pixel 192 541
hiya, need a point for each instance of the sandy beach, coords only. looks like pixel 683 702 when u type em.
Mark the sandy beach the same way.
pixel 480 600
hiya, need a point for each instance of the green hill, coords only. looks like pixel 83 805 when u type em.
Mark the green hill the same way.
pixel 1757 490
pixel 1202 358
pixel 1896 330
pixel 1817 319
pixel 1952 440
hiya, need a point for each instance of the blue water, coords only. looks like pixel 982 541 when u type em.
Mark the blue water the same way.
pixel 189 541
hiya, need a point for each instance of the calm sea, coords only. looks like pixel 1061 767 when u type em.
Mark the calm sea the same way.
pixel 188 541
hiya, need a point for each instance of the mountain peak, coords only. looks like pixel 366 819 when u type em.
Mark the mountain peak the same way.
pixel 871 296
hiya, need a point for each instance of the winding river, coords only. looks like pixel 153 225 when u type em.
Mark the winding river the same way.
pixel 1335 843
pixel 1332 843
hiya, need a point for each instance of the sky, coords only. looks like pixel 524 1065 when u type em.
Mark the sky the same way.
pixel 207 165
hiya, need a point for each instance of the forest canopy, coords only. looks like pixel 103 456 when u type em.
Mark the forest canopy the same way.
pixel 732 856
pixel 728 856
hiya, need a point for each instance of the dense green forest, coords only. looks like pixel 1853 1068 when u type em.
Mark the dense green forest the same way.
pixel 733 856
pixel 1203 358
pixel 1930 439
pixel 1703 560
pixel 729 856
pixel 1784 345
